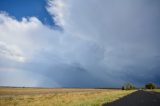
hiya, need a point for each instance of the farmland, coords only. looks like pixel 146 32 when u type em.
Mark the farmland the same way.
pixel 58 96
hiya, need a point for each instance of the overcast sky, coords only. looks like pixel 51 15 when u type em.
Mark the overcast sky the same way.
pixel 79 43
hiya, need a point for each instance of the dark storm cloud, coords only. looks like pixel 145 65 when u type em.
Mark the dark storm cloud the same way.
pixel 129 33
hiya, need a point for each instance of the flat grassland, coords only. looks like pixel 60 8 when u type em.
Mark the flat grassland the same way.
pixel 58 97
pixel 155 90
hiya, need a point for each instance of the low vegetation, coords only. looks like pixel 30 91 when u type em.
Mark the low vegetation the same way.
pixel 58 97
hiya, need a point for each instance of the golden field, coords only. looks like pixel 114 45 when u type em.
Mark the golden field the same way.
pixel 58 97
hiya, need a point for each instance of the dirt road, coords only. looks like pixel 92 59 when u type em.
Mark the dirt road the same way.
pixel 138 98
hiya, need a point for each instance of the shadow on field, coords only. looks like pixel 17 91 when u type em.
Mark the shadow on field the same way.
pixel 138 98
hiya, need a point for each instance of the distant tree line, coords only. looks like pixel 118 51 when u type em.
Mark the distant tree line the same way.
pixel 150 86
pixel 130 86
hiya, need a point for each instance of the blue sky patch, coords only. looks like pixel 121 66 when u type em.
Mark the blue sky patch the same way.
pixel 27 8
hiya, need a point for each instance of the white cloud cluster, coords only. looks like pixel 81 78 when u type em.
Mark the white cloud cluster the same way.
pixel 21 44
pixel 58 10
pixel 11 52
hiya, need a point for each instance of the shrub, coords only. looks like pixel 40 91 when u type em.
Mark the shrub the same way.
pixel 150 86
pixel 128 86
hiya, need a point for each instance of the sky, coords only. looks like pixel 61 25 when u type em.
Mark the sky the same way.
pixel 79 43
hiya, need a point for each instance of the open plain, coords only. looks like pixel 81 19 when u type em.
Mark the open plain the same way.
pixel 59 97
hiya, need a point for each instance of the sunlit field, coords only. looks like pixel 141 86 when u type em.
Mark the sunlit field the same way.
pixel 58 97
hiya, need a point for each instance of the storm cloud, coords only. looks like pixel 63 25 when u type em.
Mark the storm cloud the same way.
pixel 103 43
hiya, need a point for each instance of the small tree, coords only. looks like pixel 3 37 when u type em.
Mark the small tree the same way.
pixel 150 86
pixel 128 86
pixel 123 88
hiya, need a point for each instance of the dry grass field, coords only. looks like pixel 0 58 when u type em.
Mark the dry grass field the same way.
pixel 58 97
pixel 155 90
